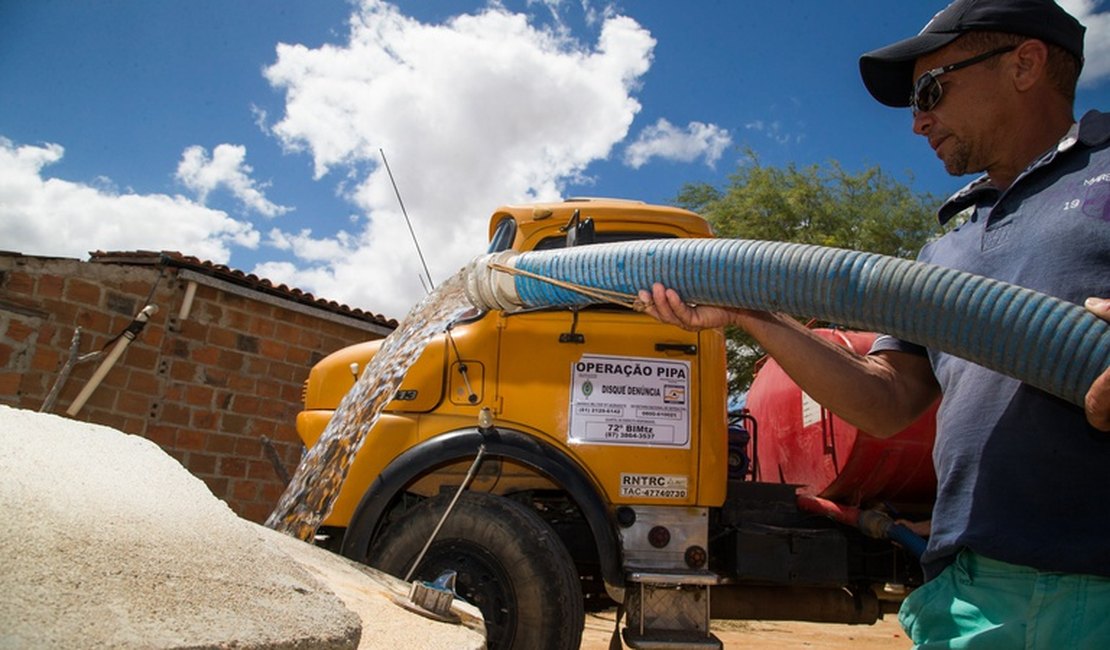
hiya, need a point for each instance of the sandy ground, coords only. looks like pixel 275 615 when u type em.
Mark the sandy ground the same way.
pixel 774 635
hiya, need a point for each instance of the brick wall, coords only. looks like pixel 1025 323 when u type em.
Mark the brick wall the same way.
pixel 218 389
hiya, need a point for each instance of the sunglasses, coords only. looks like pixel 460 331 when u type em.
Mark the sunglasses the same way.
pixel 927 90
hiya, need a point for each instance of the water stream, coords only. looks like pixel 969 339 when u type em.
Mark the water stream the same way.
pixel 315 485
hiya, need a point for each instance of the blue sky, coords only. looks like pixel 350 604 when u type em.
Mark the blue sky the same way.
pixel 247 132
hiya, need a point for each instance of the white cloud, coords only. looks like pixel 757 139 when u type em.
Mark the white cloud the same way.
pixel 226 168
pixel 481 110
pixel 50 216
pixel 774 131
pixel 311 249
pixel 1096 47
pixel 665 140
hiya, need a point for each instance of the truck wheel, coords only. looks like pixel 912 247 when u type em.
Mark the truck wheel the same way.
pixel 509 563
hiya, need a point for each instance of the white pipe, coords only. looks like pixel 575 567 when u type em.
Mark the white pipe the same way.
pixel 109 361
pixel 487 288
pixel 187 302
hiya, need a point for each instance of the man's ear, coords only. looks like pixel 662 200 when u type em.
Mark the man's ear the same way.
pixel 1030 63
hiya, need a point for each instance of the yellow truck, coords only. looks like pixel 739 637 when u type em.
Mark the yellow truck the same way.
pixel 611 472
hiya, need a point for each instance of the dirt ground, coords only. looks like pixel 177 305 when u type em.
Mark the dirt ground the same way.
pixel 774 635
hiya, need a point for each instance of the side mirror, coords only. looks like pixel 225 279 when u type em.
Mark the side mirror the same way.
pixel 580 232
pixel 585 233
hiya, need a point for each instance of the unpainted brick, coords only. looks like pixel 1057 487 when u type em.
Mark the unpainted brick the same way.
pixel 264 427
pixel 19 282
pixel 237 320
pixel 192 329
pixel 202 464
pixel 203 419
pixel 261 470
pixel 177 414
pixel 257 366
pixel 236 424
pixel 206 355
pixel 133 403
pixel 245 343
pixel 232 467
pixel 134 425
pixel 214 377
pixel 269 389
pixel 247 446
pixel 244 491
pixel 273 349
pixel 161 435
pixel 208 311
pixel 272 490
pixel 217 485
pixel 229 360
pixel 139 356
pixel 96 322
pixel 256 512
pixel 146 383
pixel 298 356
pixel 50 286
pixel 232 300
pixel 153 334
pixel 9 385
pixel 246 404
pixel 180 348
pixel 278 410
pixel 121 304
pixel 286 331
pixel 198 395
pixel 78 290
pixel 262 327
pixel 221 337
pixel 219 443
pixel 286 372
pixel 310 339
pixel 292 393
pixel 190 439
pixel 241 383
pixel 46 360
pixel 19 331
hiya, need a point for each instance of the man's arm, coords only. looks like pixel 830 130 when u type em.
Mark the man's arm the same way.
pixel 881 393
pixel 1098 396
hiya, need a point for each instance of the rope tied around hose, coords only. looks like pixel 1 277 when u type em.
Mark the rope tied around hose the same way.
pixel 631 301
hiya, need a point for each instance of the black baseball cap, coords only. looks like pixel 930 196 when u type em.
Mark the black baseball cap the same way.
pixel 887 72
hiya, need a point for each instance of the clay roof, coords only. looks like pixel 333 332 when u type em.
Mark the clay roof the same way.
pixel 235 276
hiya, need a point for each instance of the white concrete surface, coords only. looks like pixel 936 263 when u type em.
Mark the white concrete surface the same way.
pixel 111 543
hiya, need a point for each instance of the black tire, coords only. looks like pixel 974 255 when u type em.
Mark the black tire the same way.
pixel 510 564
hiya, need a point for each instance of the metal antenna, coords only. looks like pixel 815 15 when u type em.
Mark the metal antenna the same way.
pixel 406 215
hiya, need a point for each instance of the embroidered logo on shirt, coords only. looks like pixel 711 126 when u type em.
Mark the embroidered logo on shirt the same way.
pixel 1096 204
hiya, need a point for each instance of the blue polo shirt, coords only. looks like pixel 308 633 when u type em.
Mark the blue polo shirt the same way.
pixel 1021 476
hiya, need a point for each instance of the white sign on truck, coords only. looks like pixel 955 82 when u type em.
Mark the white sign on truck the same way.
pixel 635 401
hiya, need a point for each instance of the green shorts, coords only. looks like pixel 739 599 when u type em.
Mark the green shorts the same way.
pixel 982 603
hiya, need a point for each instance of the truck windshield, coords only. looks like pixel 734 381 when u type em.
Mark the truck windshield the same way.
pixel 503 235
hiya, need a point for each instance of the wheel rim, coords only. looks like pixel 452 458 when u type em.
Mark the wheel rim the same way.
pixel 480 580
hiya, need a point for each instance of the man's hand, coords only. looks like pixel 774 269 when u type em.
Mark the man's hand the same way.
pixel 666 305
pixel 1098 397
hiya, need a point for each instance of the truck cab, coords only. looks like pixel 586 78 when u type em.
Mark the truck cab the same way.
pixel 605 474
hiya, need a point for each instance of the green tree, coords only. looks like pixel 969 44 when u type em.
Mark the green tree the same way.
pixel 825 206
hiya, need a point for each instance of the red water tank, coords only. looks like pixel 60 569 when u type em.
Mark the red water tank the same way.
pixel 800 442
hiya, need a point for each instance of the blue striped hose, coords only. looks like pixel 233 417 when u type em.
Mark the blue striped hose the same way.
pixel 1049 343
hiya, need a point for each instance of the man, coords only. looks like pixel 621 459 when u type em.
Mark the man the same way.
pixel 1019 551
